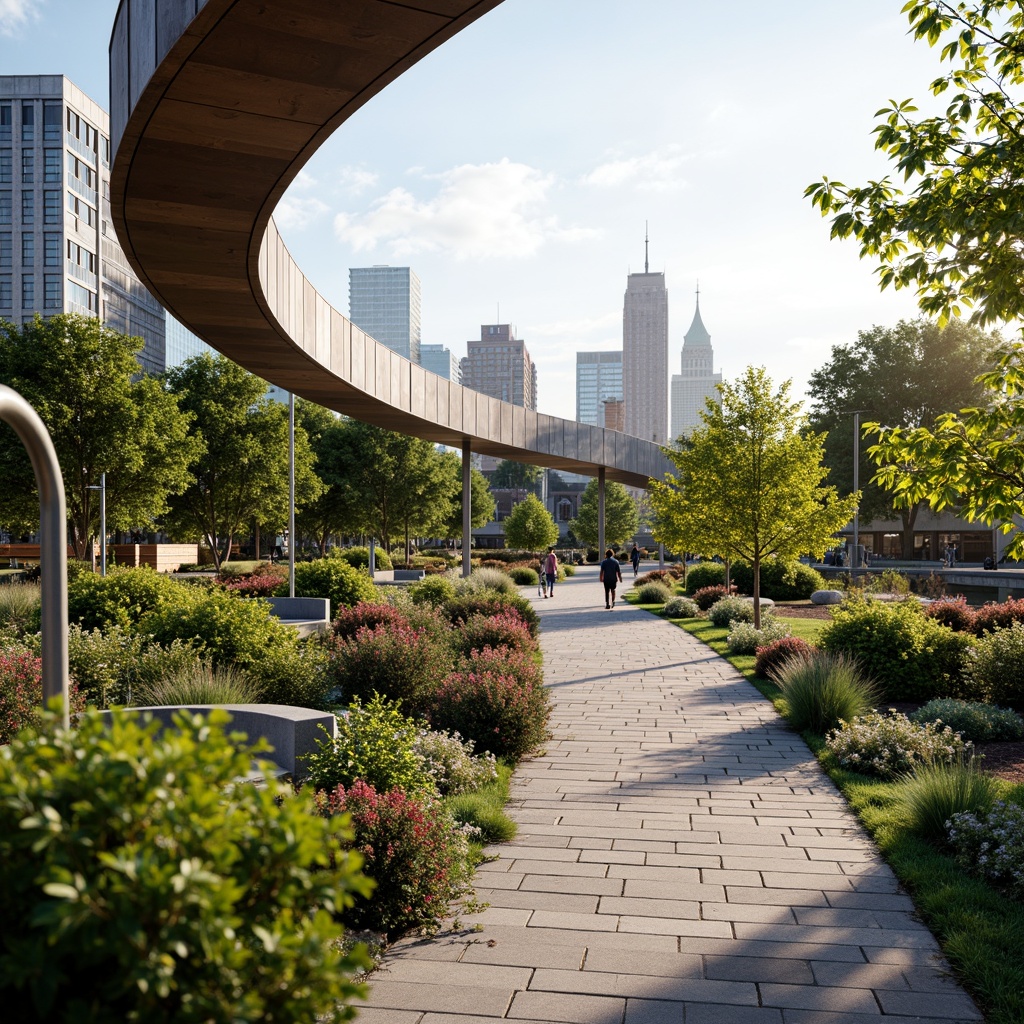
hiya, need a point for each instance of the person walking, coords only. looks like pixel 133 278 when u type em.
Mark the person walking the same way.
pixel 550 572
pixel 611 576
pixel 634 557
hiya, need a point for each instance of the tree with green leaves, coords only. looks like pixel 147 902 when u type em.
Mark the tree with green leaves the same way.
pixel 529 526
pixel 620 515
pixel 971 460
pixel 519 477
pixel 104 417
pixel 240 474
pixel 954 232
pixel 750 484
pixel 901 376
pixel 481 501
pixel 319 517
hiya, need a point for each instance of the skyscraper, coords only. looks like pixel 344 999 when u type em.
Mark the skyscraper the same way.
pixel 598 378
pixel 645 355
pixel 439 359
pixel 58 250
pixel 499 365
pixel 697 379
pixel 385 302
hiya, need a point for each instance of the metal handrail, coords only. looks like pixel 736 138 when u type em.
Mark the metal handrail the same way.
pixel 53 552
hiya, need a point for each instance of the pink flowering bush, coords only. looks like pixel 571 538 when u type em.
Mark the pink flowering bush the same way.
pixel 954 612
pixel 21 691
pixel 998 615
pixel 413 850
pixel 772 656
pixel 348 621
pixel 498 712
pixel 708 596
pixel 502 660
pixel 503 629
pixel 252 584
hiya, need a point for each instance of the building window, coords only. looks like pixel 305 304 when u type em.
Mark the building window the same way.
pixel 52 298
pixel 51 207
pixel 28 122
pixel 5 249
pixel 564 510
pixel 28 209
pixel 28 248
pixel 5 122
pixel 5 207
pixel 51 250
pixel 28 291
pixel 5 167
pixel 82 298
pixel 51 164
pixel 51 122
pixel 28 166
pixel 5 292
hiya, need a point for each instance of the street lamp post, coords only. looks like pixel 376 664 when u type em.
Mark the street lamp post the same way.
pixel 102 488
pixel 855 561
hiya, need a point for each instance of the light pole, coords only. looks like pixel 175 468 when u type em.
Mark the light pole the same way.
pixel 291 494
pixel 102 488
pixel 855 561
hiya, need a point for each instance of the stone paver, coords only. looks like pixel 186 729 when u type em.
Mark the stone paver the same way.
pixel 681 859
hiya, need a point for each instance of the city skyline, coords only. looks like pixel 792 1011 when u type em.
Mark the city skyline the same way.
pixel 526 202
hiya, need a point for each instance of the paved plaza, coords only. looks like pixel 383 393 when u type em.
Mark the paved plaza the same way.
pixel 681 859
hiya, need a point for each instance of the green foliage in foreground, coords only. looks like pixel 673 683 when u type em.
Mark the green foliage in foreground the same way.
pixel 484 809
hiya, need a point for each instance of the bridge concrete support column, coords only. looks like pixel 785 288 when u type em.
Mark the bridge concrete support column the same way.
pixel 600 513
pixel 467 506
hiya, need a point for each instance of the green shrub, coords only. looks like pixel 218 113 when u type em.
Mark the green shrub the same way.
pixel 653 593
pixel 359 558
pixel 414 851
pixel 523 576
pixel 460 608
pixel 375 743
pixel 892 745
pixel 991 844
pixel 140 882
pixel 122 597
pixel 566 569
pixel 20 607
pixel 823 690
pixel 996 665
pixel 294 674
pixel 731 609
pixel 335 579
pixel 936 792
pixel 433 590
pixel 483 580
pixel 743 638
pixel 781 580
pixel 104 663
pixel 704 574
pixel 198 682
pixel 771 657
pixel 974 721
pixel 453 763
pixel 706 597
pixel 681 608
pixel 910 657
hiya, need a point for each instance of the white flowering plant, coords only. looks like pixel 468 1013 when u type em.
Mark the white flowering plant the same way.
pixel 743 638
pixel 890 744
pixel 992 844
pixel 452 762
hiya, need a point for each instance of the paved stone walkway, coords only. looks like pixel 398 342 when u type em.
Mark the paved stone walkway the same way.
pixel 681 860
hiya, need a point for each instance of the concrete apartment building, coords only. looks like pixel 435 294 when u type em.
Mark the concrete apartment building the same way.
pixel 598 380
pixel 440 360
pixel 695 383
pixel 645 356
pixel 385 302
pixel 500 366
pixel 58 250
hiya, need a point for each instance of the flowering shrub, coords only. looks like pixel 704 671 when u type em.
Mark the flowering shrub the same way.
pixel 889 745
pixel 392 659
pixel 681 608
pixel 996 665
pixel 460 608
pixel 348 621
pixel 653 593
pixel 973 721
pixel 656 576
pixel 505 629
pixel 21 691
pixel 497 712
pixel 263 584
pixel 998 615
pixel 413 850
pixel 953 612
pixel 452 762
pixel 731 609
pixel 771 656
pixel 992 844
pixel 743 638
pixel 708 596
pixel 504 661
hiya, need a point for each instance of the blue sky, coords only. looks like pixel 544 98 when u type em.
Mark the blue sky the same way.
pixel 515 167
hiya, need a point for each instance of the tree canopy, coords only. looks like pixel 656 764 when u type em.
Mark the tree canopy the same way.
pixel 520 477
pixel 900 376
pixel 84 381
pixel 750 483
pixel 620 515
pixel 529 526
pixel 956 234
pixel 481 501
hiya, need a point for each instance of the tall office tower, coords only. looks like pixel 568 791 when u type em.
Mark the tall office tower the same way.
pixel 645 355
pixel 385 302
pixel 439 359
pixel 598 378
pixel 499 365
pixel 58 250
pixel 696 382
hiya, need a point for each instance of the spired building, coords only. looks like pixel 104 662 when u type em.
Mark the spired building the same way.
pixel 58 250
pixel 598 379
pixel 696 381
pixel 499 365
pixel 645 355
pixel 385 302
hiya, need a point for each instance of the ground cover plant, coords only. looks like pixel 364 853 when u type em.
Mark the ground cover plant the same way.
pixel 990 843
pixel 974 721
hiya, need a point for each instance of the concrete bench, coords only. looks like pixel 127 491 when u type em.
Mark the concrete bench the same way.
pixel 306 614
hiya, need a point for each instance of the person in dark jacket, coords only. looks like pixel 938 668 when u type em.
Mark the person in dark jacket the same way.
pixel 611 576
pixel 634 557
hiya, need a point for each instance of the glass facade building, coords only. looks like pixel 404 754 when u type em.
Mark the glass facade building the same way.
pixel 598 380
pixel 385 303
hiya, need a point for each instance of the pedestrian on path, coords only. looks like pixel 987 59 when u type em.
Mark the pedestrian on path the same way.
pixel 611 576
pixel 634 557
pixel 550 572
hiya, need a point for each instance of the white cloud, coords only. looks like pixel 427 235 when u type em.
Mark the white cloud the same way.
pixel 356 179
pixel 299 213
pixel 657 171
pixel 479 210
pixel 14 14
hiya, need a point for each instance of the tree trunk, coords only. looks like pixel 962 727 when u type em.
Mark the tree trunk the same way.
pixel 909 518
pixel 757 592
pixel 257 531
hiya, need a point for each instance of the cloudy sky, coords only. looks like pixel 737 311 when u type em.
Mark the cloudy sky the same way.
pixel 515 168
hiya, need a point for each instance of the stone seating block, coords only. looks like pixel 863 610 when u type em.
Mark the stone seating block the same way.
pixel 827 597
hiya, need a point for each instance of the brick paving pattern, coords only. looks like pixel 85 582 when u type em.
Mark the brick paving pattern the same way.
pixel 681 859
